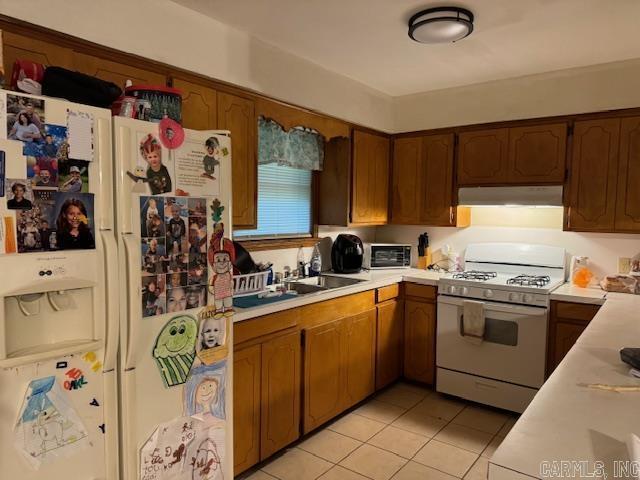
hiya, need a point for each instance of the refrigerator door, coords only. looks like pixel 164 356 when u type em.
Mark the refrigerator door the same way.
pixel 58 328
pixel 157 379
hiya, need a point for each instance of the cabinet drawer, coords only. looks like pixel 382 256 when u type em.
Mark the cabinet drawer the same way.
pixel 576 311
pixel 387 293
pixel 423 291
pixel 258 327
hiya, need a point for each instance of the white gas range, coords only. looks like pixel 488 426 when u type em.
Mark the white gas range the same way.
pixel 503 366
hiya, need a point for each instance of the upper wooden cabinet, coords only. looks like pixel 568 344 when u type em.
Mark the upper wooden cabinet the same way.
pixel 422 184
pixel 237 115
pixel 115 72
pixel 537 154
pixel 199 108
pixel 594 174
pixel 532 154
pixel 19 47
pixel 370 182
pixel 628 189
pixel 483 157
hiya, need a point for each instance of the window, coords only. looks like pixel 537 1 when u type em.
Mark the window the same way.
pixel 284 203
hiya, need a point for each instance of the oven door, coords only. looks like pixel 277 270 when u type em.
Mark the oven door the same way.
pixel 514 345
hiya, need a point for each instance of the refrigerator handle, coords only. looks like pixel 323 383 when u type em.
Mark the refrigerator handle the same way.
pixel 122 138
pixel 106 173
pixel 131 246
pixel 112 310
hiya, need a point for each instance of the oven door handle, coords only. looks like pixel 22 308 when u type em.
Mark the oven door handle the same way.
pixel 496 307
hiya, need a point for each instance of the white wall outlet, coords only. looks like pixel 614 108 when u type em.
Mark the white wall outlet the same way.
pixel 624 265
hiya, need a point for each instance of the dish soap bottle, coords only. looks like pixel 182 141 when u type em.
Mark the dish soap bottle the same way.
pixel 316 262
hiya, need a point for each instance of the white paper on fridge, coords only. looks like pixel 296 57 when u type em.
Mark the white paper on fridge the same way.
pixel 185 448
pixel 199 162
pixel 80 135
pixel 48 428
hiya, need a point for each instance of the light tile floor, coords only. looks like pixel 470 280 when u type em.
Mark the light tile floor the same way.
pixel 405 432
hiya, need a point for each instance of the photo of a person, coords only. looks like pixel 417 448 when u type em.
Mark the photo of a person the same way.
pixel 153 296
pixel 50 149
pixel 178 263
pixel 19 195
pixel 212 333
pixel 24 129
pixel 73 229
pixel 197 207
pixel 158 175
pixel 197 234
pixel 34 227
pixel 176 300
pixel 176 279
pixel 211 160
pixel 176 230
pixel 44 179
pixel 222 283
pixel 36 166
pixel 197 269
pixel 196 296
pixel 74 183
pixel 45 235
pixel 30 237
pixel 152 224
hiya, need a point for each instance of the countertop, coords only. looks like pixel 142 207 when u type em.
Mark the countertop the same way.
pixel 568 421
pixel 571 293
pixel 371 280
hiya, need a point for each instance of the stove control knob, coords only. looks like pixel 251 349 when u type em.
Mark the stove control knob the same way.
pixel 514 297
pixel 488 293
pixel 452 290
pixel 527 297
pixel 464 291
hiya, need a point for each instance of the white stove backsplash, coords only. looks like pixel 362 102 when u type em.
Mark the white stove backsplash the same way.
pixel 603 249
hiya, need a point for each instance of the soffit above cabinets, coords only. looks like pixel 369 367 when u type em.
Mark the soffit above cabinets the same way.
pixel 367 40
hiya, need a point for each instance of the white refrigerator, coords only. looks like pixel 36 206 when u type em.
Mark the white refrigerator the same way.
pixel 59 315
pixel 173 225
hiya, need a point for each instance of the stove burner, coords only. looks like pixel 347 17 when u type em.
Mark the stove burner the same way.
pixel 475 275
pixel 529 280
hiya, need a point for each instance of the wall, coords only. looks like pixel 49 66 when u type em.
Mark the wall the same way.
pixel 577 90
pixel 164 31
pixel 603 249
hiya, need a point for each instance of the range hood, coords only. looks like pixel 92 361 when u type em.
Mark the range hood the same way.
pixel 511 196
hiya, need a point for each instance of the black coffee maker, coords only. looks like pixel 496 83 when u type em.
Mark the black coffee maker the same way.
pixel 347 253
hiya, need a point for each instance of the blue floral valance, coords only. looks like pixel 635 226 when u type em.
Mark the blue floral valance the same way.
pixel 300 147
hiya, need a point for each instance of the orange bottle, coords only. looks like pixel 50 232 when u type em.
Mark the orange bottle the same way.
pixel 582 277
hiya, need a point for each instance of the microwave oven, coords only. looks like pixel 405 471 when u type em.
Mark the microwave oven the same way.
pixel 387 255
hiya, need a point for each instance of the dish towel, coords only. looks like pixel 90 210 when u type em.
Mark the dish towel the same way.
pixel 472 328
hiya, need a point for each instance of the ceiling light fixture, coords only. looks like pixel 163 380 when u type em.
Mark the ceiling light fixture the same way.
pixel 441 25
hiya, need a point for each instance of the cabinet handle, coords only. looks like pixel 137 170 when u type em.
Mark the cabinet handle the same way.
pixel 451 215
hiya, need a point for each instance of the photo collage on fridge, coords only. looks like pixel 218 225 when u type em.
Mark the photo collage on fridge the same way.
pixel 186 264
pixel 45 202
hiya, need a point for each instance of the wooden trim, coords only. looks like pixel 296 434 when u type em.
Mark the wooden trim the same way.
pixel 278 243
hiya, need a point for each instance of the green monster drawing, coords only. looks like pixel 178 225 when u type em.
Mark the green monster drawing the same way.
pixel 175 349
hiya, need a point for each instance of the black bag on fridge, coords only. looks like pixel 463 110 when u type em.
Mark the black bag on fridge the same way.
pixel 78 87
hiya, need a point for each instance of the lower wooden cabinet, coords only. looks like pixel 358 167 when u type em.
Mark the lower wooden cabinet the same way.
pixel 419 340
pixel 359 365
pixel 389 342
pixel 266 399
pixel 567 321
pixel 339 366
pixel 246 407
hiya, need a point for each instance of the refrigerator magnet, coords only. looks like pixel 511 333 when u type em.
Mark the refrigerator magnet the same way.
pixel 174 349
pixel 25 121
pixel 171 133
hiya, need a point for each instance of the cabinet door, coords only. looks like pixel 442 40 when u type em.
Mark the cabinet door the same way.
pixel 322 383
pixel 237 115
pixel 628 189
pixel 565 336
pixel 437 181
pixel 358 368
pixel 199 109
pixel 18 47
pixel 483 157
pixel 419 341
pixel 370 195
pixel 537 154
pixel 246 408
pixel 406 181
pixel 389 343
pixel 594 163
pixel 115 72
pixel 280 420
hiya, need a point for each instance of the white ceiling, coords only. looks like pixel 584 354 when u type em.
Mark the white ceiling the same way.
pixel 367 40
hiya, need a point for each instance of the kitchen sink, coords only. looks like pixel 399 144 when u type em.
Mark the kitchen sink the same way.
pixel 318 284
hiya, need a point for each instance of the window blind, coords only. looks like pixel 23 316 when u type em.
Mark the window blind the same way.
pixel 284 203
